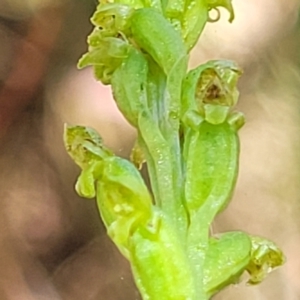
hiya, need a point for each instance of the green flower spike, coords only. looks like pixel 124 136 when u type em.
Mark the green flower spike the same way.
pixel 187 134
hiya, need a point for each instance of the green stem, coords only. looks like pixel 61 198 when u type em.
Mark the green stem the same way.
pixel 159 136
pixel 161 172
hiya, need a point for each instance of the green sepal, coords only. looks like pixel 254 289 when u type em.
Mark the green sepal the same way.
pixel 123 199
pixel 159 264
pixel 226 259
pixel 155 35
pixel 129 85
pixel 211 166
pixel 193 21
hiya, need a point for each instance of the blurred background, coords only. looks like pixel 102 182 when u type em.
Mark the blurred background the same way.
pixel 52 243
